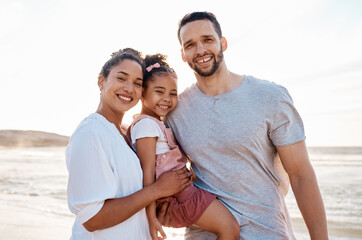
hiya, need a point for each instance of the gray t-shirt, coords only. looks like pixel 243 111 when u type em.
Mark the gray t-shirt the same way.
pixel 231 141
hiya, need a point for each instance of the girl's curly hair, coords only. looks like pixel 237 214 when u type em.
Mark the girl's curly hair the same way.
pixel 162 69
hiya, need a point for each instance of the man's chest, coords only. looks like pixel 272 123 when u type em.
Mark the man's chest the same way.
pixel 223 127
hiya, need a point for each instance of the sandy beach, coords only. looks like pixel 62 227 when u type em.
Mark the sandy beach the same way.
pixel 18 223
pixel 33 195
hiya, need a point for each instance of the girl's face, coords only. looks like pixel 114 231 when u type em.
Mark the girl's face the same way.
pixel 122 89
pixel 160 96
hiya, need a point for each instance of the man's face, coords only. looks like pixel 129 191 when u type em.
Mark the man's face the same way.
pixel 202 48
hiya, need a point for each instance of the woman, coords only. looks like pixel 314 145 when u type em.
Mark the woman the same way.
pixel 105 177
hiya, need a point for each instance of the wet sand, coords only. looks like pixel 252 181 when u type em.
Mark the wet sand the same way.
pixel 18 223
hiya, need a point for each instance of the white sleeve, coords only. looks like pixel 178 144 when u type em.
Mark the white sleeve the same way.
pixel 91 179
pixel 145 128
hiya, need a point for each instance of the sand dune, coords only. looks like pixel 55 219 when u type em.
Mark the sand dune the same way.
pixel 20 138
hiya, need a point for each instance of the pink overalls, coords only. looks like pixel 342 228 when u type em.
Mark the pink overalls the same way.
pixel 187 206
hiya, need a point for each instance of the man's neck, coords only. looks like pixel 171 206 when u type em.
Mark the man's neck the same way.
pixel 221 82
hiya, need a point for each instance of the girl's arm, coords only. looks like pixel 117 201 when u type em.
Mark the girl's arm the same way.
pixel 146 151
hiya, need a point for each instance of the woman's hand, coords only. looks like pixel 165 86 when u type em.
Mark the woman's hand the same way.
pixel 172 182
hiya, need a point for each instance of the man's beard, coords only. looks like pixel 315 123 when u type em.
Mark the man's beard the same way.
pixel 216 64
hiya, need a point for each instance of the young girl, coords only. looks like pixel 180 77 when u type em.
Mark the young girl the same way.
pixel 158 152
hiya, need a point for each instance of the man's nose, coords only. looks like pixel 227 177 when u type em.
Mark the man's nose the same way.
pixel 200 48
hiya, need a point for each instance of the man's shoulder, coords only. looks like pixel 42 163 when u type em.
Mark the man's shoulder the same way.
pixel 264 84
pixel 267 87
pixel 188 93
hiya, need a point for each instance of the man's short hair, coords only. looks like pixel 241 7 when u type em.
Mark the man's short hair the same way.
pixel 194 16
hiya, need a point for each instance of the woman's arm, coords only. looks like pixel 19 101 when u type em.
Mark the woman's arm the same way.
pixel 115 211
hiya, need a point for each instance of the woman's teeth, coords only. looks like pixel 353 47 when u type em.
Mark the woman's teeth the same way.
pixel 125 98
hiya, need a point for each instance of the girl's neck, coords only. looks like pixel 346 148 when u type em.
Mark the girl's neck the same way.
pixel 149 113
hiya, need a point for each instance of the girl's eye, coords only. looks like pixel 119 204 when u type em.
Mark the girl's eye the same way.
pixel 159 92
pixel 173 94
pixel 138 84
pixel 121 78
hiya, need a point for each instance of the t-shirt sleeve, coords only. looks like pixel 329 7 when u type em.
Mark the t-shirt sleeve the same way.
pixel 145 128
pixel 287 126
pixel 91 179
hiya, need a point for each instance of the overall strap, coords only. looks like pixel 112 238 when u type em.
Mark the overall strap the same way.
pixel 139 117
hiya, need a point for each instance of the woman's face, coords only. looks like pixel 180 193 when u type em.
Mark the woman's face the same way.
pixel 122 89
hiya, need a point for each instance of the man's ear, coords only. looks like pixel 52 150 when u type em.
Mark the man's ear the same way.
pixel 101 80
pixel 224 44
pixel 183 55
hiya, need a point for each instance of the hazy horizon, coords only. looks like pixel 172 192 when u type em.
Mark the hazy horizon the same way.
pixel 52 51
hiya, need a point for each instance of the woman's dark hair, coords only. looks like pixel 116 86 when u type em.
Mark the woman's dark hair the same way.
pixel 119 56
pixel 194 16
pixel 156 64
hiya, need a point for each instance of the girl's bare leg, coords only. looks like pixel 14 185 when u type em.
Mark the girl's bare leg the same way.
pixel 217 219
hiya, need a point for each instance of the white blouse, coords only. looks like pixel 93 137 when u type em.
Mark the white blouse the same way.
pixel 102 166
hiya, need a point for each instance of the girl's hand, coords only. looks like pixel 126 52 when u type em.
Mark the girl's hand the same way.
pixel 171 182
pixel 155 228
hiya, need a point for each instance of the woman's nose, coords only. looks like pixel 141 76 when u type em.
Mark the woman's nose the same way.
pixel 128 87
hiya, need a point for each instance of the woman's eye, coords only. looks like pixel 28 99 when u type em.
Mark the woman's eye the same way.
pixel 121 78
pixel 173 94
pixel 138 84
pixel 159 92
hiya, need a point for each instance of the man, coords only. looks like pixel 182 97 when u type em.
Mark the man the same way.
pixel 232 127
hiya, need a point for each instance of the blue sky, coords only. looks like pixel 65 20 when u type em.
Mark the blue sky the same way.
pixel 51 52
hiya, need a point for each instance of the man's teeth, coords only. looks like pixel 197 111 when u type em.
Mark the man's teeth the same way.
pixel 204 60
pixel 125 98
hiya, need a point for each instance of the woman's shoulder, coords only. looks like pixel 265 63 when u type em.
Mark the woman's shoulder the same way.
pixel 90 127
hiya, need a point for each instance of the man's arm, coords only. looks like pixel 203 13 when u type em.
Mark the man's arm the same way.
pixel 305 187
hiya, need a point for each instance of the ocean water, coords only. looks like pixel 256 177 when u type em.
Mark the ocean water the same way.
pixel 33 185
